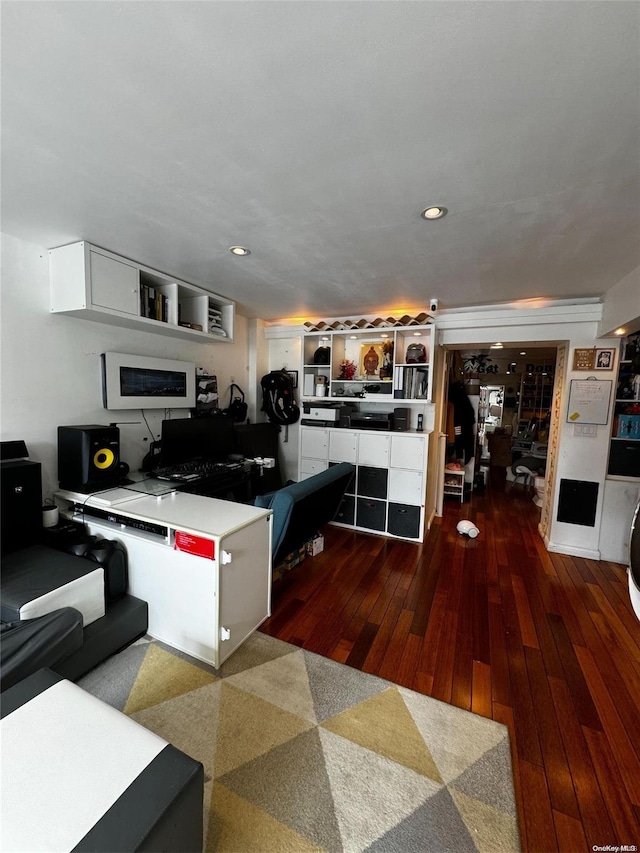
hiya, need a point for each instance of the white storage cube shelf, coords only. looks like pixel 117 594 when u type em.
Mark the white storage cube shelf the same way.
pixel 394 462
pixel 393 378
pixel 95 284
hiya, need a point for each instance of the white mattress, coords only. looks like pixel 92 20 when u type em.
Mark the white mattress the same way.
pixel 86 594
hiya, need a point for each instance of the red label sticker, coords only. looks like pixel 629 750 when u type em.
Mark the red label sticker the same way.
pixel 197 545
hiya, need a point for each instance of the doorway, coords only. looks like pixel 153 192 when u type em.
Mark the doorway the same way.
pixel 512 394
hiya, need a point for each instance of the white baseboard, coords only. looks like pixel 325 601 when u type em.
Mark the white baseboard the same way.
pixel 572 551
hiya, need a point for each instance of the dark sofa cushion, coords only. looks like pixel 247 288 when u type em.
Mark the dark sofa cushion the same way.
pixel 33 644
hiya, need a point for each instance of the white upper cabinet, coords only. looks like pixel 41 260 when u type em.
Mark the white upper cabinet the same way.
pixel 114 284
pixel 95 284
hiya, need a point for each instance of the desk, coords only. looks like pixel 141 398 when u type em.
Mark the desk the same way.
pixel 202 564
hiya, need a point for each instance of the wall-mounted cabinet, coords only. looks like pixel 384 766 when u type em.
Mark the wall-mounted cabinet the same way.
pixel 379 365
pixel 95 284
pixel 624 447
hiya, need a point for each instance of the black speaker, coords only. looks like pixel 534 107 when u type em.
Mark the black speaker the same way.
pixel 88 457
pixel 401 419
pixel 21 504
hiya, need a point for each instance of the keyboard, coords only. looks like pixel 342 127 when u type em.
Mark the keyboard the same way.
pixel 196 469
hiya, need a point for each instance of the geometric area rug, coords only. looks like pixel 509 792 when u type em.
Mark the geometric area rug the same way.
pixel 301 753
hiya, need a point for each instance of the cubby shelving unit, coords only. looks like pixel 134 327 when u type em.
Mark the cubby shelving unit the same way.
pixel 624 446
pixel 382 372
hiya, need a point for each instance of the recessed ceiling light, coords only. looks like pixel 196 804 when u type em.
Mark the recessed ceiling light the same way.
pixel 435 212
pixel 523 353
pixel 239 250
pixel 620 332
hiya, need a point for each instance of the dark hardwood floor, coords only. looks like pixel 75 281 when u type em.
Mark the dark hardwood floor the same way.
pixel 546 644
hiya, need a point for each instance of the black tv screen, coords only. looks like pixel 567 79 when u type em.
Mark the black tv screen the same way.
pixel 185 439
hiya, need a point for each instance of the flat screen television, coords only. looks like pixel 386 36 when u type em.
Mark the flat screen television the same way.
pixel 186 439
pixel 143 382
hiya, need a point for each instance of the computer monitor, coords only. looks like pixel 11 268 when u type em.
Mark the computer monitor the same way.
pixel 185 439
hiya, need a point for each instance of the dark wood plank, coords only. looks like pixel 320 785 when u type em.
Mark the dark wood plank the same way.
pixel 593 810
pixel 538 817
pixel 585 708
pixel 618 737
pixel 561 790
pixel 569 833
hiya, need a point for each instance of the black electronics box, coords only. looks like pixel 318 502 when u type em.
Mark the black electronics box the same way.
pixel 372 420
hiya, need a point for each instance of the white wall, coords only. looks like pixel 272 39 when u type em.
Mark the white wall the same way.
pixel 50 367
pixel 622 305
pixel 287 353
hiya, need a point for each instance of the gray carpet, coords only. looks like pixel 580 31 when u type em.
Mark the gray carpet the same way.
pixel 305 754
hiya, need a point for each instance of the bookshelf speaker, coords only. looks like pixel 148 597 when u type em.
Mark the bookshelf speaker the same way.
pixel 401 419
pixel 88 457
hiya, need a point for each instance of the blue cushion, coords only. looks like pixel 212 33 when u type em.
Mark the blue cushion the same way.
pixel 283 501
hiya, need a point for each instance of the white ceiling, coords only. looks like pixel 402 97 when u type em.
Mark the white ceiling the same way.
pixel 315 132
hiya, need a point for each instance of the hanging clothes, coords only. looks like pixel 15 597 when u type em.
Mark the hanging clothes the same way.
pixel 463 422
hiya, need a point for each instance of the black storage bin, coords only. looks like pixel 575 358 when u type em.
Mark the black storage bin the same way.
pixel 347 510
pixel 624 458
pixel 372 482
pixel 404 520
pixel 371 514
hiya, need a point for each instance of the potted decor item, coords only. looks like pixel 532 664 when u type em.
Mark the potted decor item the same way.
pixel 386 368
pixel 347 370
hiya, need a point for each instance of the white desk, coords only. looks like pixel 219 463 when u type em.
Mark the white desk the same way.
pixel 204 567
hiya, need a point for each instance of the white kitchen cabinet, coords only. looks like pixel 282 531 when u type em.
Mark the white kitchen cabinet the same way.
pixel 94 284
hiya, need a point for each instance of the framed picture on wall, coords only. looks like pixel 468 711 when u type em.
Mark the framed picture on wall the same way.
pixel 605 359
pixel 583 358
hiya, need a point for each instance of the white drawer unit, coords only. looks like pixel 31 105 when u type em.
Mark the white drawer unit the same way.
pixel 408 451
pixel 373 449
pixel 406 486
pixel 343 446
pixel 314 443
pixel 387 494
pixel 309 467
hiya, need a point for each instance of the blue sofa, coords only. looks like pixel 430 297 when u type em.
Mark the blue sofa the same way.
pixel 301 509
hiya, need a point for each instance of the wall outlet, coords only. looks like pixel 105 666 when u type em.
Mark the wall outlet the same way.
pixel 588 430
